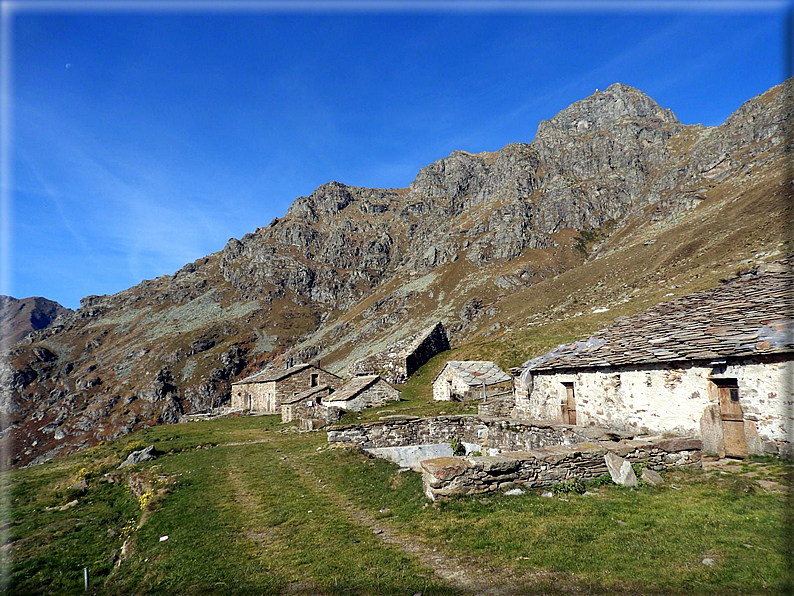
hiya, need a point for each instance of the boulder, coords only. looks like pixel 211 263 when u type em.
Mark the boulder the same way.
pixel 137 457
pixel 651 477
pixel 620 470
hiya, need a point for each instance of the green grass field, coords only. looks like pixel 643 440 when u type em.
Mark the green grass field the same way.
pixel 251 510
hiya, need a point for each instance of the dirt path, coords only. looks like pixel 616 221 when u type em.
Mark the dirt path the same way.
pixel 238 443
pixel 265 536
pixel 470 576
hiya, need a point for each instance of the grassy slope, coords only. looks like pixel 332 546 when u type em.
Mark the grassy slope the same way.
pixel 264 517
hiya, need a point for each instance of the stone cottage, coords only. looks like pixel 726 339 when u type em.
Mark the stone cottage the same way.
pixel 303 404
pixel 403 358
pixel 264 391
pixel 717 365
pixel 361 392
pixel 471 379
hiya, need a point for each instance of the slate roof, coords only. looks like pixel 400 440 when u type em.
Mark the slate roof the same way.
pixel 744 317
pixel 420 338
pixel 352 388
pixel 475 373
pixel 266 376
pixel 305 395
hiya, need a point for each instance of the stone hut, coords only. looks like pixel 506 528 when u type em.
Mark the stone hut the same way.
pixel 264 391
pixel 471 379
pixel 403 358
pixel 361 392
pixel 716 365
pixel 302 404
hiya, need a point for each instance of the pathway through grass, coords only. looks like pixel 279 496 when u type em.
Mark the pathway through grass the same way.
pixel 256 511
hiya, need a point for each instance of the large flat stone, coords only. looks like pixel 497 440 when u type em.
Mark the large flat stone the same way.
pixel 412 456
pixel 497 463
pixel 445 468
pixel 651 476
pixel 682 444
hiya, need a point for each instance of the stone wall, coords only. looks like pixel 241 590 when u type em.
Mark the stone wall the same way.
pixel 303 381
pixel 658 399
pixel 487 433
pixel 380 393
pixel 544 467
pixel 377 394
pixel 425 347
pixel 497 407
pixel 299 409
pixel 448 384
pixel 254 397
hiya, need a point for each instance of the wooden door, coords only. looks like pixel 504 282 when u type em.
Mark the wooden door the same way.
pixel 732 421
pixel 569 406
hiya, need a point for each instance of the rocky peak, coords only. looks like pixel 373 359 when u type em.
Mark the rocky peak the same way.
pixel 450 178
pixel 331 198
pixel 603 110
pixel 22 316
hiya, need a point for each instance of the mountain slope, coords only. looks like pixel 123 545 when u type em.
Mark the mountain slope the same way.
pixel 21 316
pixel 614 201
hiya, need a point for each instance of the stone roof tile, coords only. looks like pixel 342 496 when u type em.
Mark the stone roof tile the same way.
pixel 353 388
pixel 743 317
pixel 478 372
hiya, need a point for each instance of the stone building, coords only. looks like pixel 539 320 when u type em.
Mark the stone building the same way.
pixel 717 365
pixel 403 358
pixel 361 392
pixel 471 379
pixel 302 405
pixel 264 391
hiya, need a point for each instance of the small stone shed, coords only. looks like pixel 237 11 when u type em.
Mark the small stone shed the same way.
pixel 301 405
pixel 717 365
pixel 265 391
pixel 361 392
pixel 471 379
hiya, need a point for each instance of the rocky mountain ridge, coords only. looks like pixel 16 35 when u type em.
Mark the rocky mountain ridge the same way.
pixel 348 270
pixel 21 316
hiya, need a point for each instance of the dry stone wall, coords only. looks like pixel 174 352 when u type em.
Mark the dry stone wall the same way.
pixel 497 407
pixel 546 466
pixel 486 433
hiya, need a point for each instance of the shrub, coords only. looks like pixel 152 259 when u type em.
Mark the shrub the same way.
pixel 572 486
pixel 603 480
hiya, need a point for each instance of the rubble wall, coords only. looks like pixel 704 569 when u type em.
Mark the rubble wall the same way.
pixel 544 467
pixel 489 433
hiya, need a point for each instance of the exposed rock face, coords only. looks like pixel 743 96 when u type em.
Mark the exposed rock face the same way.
pixel 139 456
pixel 349 271
pixel 22 316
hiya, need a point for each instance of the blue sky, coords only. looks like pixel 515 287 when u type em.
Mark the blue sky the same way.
pixel 145 140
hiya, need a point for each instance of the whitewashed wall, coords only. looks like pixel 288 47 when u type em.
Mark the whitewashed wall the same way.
pixel 441 386
pixel 356 403
pixel 670 399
